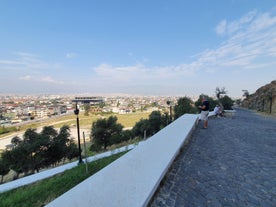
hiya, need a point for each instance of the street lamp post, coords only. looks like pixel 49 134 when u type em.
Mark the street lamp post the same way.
pixel 76 111
pixel 170 108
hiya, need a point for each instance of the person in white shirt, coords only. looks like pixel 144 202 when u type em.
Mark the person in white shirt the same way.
pixel 217 111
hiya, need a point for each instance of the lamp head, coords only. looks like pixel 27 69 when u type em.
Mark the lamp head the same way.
pixel 76 111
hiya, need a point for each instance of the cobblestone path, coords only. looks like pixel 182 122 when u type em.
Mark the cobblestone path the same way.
pixel 232 163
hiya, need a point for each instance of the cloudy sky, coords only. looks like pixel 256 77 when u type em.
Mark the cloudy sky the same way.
pixel 141 47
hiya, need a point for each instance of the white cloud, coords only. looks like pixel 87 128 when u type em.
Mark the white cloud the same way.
pixel 251 42
pixel 221 27
pixel 229 28
pixel 263 21
pixel 49 79
pixel 71 55
pixel 142 73
pixel 24 61
pixel 26 77
pixel 37 78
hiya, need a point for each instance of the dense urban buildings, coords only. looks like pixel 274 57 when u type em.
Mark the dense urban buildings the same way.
pixel 19 108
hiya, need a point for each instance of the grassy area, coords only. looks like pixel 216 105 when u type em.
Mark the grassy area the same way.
pixel 43 192
pixel 127 120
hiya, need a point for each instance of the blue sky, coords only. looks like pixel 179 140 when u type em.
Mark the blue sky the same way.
pixel 141 47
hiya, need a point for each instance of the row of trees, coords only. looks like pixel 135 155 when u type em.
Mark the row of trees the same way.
pixel 186 105
pixel 106 132
pixel 38 150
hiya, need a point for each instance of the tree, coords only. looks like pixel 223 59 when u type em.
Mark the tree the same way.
pixel 4 169
pixel 86 109
pixel 21 157
pixel 16 141
pixel 72 150
pixel 103 130
pixel 245 93
pixel 155 122
pixel 220 91
pixel 227 102
pixel 270 99
pixel 59 145
pixel 140 128
pixel 30 135
pixel 212 102
pixel 17 159
pixel 39 150
pixel 38 146
pixel 184 105
pixel 151 126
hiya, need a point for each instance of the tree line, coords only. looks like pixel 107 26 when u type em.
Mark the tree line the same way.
pixel 38 150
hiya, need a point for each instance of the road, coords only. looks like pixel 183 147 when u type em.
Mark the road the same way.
pixel 4 141
pixel 232 163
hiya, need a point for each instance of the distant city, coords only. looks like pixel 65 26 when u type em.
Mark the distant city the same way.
pixel 17 109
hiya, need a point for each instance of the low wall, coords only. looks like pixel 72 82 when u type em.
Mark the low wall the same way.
pixel 132 179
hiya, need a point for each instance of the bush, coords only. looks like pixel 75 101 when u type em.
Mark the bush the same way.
pixel 227 102
pixel 95 148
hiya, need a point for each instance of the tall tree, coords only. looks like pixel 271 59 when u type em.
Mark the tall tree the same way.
pixel 141 127
pixel 227 102
pixel 155 122
pixel 103 130
pixel 72 150
pixel 270 98
pixel 150 126
pixel 17 159
pixel 219 92
pixel 86 109
pixel 4 169
pixel 184 105
pixel 245 93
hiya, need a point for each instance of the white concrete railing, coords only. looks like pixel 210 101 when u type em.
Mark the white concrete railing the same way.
pixel 133 178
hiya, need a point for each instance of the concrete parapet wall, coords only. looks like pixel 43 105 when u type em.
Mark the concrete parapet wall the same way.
pixel 132 179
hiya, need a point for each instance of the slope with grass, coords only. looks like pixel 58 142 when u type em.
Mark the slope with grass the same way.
pixel 43 192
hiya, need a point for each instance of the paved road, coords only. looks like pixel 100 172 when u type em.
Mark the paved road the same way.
pixel 4 141
pixel 232 163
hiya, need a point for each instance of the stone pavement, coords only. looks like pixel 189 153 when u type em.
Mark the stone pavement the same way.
pixel 232 163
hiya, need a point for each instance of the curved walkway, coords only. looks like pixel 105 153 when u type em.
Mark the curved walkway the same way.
pixel 232 163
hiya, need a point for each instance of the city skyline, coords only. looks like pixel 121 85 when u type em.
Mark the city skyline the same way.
pixel 167 48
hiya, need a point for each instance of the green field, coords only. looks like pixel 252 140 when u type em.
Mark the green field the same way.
pixel 127 120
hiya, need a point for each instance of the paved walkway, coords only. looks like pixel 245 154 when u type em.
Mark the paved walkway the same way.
pixel 232 163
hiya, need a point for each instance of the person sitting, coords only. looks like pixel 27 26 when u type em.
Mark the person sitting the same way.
pixel 218 111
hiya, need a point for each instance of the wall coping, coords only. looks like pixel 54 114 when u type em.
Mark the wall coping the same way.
pixel 132 179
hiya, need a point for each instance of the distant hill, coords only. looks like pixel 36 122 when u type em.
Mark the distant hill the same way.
pixel 264 99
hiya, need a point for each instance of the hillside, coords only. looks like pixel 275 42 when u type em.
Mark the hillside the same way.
pixel 264 99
